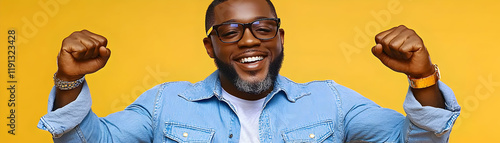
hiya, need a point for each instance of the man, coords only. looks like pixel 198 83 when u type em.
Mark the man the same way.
pixel 246 100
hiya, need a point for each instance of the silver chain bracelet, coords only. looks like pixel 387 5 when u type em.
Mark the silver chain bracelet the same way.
pixel 67 85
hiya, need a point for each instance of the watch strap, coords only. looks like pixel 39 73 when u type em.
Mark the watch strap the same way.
pixel 425 82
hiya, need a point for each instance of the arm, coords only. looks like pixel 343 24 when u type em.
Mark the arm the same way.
pixel 82 52
pixel 76 122
pixel 431 111
pixel 402 50
pixel 70 118
pixel 365 121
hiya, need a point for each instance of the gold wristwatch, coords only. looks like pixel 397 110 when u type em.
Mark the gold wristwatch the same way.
pixel 419 83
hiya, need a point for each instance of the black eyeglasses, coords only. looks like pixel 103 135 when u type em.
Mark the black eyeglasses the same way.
pixel 263 29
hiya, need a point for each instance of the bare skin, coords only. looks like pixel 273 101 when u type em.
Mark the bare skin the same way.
pixel 399 48
pixel 229 53
pixel 82 53
pixel 402 50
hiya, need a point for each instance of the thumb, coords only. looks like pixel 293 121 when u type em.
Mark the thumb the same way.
pixel 104 52
pixel 103 57
pixel 378 51
pixel 93 65
pixel 391 63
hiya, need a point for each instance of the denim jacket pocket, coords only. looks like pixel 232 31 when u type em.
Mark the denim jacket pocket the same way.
pixel 184 133
pixel 313 133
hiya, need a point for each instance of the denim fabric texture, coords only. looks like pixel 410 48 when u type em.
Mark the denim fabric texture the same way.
pixel 317 111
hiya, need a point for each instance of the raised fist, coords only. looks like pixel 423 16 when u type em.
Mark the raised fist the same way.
pixel 82 52
pixel 402 50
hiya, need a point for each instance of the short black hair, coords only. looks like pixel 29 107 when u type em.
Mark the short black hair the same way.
pixel 209 17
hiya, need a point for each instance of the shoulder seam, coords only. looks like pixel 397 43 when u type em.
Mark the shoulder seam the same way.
pixel 156 103
pixel 340 117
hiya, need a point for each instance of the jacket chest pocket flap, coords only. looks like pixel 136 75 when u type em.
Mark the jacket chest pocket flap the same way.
pixel 187 133
pixel 314 133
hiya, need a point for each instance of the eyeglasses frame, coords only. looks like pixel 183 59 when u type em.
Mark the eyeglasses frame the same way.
pixel 245 26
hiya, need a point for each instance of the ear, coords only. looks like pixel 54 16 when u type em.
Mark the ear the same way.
pixel 282 36
pixel 208 46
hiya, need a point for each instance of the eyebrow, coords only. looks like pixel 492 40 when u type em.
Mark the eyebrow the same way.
pixel 234 20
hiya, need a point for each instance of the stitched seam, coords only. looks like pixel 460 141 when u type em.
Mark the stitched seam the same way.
pixel 195 85
pixel 80 134
pixel 340 117
pixel 264 127
pixel 449 123
pixel 210 131
pixel 410 128
pixel 307 83
pixel 323 137
pixel 305 94
pixel 156 106
pixel 300 84
pixel 331 130
pixel 48 126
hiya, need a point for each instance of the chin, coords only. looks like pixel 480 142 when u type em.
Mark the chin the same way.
pixel 252 82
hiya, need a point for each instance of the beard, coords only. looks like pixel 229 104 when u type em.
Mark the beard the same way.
pixel 256 87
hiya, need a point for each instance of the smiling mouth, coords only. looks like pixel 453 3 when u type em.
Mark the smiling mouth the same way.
pixel 251 59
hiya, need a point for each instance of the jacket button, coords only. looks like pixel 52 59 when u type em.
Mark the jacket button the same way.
pixel 184 134
pixel 230 135
pixel 311 136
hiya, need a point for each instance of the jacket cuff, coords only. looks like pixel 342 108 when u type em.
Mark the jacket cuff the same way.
pixel 437 120
pixel 68 117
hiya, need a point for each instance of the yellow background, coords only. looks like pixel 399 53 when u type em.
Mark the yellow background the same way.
pixel 158 41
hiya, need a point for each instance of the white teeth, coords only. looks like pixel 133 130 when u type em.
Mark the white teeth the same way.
pixel 251 59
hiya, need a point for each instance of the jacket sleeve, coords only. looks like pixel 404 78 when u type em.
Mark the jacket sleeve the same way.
pixel 365 121
pixel 76 122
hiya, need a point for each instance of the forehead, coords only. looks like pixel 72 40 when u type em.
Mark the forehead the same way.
pixel 241 11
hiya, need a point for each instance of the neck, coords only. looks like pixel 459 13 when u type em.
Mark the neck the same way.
pixel 230 88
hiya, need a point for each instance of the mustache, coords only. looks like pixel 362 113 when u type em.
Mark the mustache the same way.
pixel 248 87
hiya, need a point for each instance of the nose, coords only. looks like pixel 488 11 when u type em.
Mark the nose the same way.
pixel 248 40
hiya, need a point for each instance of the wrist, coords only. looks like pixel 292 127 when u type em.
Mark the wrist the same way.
pixel 67 85
pixel 427 81
pixel 66 77
pixel 425 72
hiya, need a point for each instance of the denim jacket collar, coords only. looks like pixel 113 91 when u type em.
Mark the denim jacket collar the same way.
pixel 211 86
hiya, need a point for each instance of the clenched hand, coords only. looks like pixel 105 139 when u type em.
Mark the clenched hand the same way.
pixel 402 50
pixel 82 52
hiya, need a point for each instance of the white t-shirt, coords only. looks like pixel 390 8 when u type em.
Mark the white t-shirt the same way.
pixel 248 113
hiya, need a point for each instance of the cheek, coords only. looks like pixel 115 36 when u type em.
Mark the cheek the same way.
pixel 222 52
pixel 216 47
pixel 276 49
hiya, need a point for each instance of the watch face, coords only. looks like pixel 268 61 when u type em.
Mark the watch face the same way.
pixel 438 73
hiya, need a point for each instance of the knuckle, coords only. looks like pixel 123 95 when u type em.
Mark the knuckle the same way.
pixel 411 31
pixel 73 34
pixel 416 38
pixel 94 42
pixel 386 41
pixel 87 43
pixel 79 49
pixel 393 45
pixel 78 32
pixel 379 37
pixel 66 40
pixel 102 40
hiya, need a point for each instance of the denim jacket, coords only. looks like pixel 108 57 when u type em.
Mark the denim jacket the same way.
pixel 318 111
